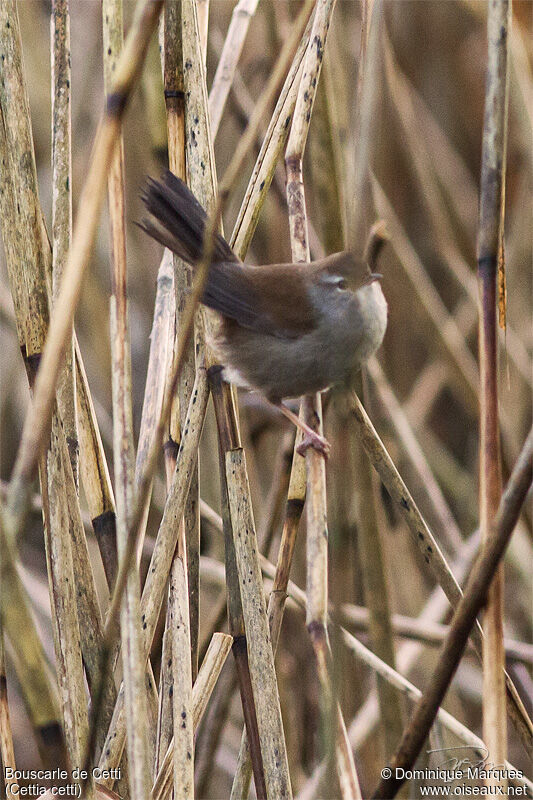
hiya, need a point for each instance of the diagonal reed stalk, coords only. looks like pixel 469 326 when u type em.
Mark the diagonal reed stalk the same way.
pixel 476 595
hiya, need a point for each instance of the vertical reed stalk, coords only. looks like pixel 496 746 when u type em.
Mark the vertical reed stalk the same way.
pixel 173 81
pixel 317 535
pixel 227 64
pixel 260 655
pixel 132 655
pixel 38 418
pixel 62 208
pixel 490 258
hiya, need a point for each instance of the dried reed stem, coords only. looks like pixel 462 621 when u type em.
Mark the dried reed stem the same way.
pixel 37 421
pixel 214 660
pixel 490 258
pixel 425 631
pixel 62 208
pixel 475 596
pixel 317 535
pixel 123 452
pixel 450 533
pixel 7 752
pixel 389 674
pixel 164 548
pixel 260 654
pixel 177 113
pixel 38 687
pixel 182 681
pixel 94 474
pixel 278 595
pixel 227 63
pixel 63 603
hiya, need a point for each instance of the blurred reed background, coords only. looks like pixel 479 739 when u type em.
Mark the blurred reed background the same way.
pixel 421 391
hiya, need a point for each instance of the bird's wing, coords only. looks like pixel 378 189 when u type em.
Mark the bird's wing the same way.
pixel 273 299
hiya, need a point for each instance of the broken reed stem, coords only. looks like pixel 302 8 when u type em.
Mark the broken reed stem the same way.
pixel 317 531
pixel 164 547
pixel 62 209
pixel 227 64
pixel 475 596
pixel 259 645
pixel 490 259
pixel 37 420
pixel 214 660
pixel 123 448
pixel 229 439
pixel 94 473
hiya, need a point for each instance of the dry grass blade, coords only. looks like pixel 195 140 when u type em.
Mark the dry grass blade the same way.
pixel 475 596
pixel 491 259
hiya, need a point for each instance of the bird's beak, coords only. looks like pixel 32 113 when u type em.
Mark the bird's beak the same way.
pixel 374 276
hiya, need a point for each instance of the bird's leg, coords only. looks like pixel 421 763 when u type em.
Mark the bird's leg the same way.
pixel 311 438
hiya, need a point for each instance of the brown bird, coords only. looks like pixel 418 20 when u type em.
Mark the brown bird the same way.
pixel 286 329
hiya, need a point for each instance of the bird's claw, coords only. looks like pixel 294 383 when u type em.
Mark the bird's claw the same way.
pixel 317 442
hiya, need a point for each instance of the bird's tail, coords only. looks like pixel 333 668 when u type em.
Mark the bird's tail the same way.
pixel 177 220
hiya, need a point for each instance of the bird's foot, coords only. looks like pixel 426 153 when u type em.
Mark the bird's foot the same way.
pixel 317 442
